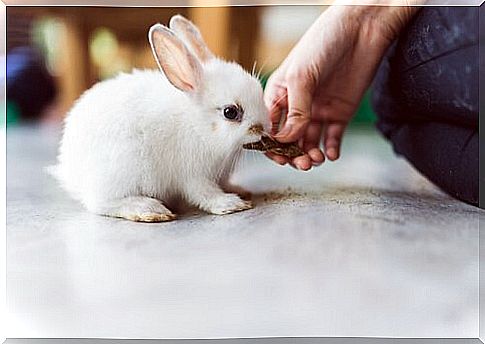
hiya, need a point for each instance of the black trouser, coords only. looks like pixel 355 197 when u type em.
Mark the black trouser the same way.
pixel 426 98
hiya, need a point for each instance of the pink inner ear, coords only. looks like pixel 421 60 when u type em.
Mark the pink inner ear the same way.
pixel 186 29
pixel 197 45
pixel 179 65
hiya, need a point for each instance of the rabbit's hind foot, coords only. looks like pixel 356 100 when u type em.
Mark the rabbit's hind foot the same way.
pixel 137 208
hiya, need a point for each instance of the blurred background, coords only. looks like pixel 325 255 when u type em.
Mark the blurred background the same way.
pixel 55 53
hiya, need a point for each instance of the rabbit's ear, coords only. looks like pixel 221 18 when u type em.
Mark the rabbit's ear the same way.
pixel 190 34
pixel 179 65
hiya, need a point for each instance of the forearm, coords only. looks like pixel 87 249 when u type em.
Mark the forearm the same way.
pixel 383 20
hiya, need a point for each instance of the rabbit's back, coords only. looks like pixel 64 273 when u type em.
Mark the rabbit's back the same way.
pixel 116 136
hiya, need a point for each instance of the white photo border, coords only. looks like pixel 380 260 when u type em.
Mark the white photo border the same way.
pixel 216 3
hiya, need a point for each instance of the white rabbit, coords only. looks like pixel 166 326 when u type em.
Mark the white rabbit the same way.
pixel 133 143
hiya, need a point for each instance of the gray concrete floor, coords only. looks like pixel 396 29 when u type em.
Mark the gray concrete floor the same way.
pixel 361 247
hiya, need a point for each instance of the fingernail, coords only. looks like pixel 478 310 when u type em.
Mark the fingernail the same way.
pixel 332 153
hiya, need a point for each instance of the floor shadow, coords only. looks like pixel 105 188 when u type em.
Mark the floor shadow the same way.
pixel 362 196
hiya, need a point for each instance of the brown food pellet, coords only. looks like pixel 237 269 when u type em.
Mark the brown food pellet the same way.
pixel 268 144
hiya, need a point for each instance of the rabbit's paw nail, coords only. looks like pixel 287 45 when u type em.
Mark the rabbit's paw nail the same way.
pixel 153 217
pixel 230 204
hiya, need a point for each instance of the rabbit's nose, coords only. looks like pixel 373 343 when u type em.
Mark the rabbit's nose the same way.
pixel 256 129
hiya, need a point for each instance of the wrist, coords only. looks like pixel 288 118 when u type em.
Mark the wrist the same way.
pixel 380 23
pixel 391 20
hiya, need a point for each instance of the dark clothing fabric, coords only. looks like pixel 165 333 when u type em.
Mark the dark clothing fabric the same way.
pixel 426 98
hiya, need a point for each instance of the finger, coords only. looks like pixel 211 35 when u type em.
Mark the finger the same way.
pixel 302 162
pixel 279 159
pixel 278 108
pixel 275 114
pixel 311 144
pixel 281 124
pixel 316 155
pixel 275 99
pixel 271 90
pixel 300 96
pixel 332 134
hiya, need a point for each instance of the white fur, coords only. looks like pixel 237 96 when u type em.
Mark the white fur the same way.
pixel 134 142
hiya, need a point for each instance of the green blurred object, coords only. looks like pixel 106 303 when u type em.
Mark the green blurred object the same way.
pixel 364 115
pixel 264 79
pixel 13 113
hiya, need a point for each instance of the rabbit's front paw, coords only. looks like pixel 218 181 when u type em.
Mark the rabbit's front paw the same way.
pixel 235 189
pixel 227 204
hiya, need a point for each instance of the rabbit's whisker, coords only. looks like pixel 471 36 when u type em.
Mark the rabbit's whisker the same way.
pixel 261 69
pixel 254 68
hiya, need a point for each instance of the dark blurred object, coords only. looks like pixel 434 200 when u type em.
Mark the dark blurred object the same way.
pixel 30 87
pixel 426 98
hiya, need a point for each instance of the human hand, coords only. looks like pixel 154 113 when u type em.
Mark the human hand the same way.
pixel 321 82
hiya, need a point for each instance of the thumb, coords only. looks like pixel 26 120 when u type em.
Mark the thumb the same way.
pixel 300 97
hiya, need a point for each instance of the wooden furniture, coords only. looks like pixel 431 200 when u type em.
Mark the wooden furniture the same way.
pixel 231 32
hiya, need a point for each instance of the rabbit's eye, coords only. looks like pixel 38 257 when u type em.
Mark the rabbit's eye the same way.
pixel 232 112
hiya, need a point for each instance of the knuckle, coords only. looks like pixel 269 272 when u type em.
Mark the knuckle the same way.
pixel 299 115
pixel 296 76
pixel 302 78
